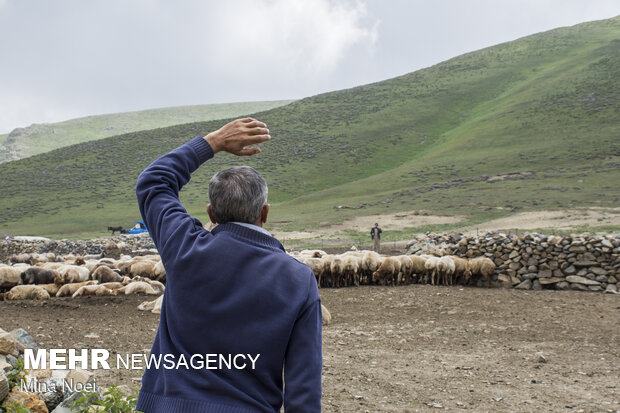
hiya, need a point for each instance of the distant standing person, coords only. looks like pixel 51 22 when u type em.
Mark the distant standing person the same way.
pixel 375 236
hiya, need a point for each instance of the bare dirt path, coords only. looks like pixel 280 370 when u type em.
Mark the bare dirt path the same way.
pixel 564 219
pixel 405 349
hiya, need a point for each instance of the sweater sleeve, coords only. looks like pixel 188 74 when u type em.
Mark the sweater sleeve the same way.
pixel 158 189
pixel 304 359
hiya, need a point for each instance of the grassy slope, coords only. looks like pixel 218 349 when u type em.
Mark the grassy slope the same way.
pixel 546 105
pixel 40 138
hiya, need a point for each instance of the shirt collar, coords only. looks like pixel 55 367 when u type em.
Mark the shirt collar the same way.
pixel 252 226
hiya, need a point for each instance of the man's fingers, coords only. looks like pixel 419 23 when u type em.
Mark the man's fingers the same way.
pixel 249 151
pixel 258 131
pixel 255 124
pixel 251 140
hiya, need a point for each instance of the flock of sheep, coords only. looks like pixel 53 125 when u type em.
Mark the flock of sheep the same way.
pixel 369 267
pixel 41 276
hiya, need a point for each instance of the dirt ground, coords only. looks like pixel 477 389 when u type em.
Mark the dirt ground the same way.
pixel 404 349
pixel 559 219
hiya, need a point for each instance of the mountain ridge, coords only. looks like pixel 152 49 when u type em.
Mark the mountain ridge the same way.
pixel 42 137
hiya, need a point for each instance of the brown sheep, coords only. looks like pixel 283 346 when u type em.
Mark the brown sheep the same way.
pixel 113 285
pixel 388 270
pixel 104 274
pixel 461 268
pixel 417 266
pixel 79 261
pixel 27 292
pixel 484 267
pixel 52 288
pixel 38 275
pixel 144 268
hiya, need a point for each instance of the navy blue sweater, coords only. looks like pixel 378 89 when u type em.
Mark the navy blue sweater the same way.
pixel 229 291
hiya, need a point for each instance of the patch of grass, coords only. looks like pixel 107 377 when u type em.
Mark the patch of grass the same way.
pixel 579 229
pixel 521 126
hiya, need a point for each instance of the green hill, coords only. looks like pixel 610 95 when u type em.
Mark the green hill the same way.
pixel 524 125
pixel 40 138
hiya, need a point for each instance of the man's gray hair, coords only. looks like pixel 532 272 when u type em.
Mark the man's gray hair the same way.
pixel 237 194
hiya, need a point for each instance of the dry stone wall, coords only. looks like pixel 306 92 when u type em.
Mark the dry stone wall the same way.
pixel 111 247
pixel 536 261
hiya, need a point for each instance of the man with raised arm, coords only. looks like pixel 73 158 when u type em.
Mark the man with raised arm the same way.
pixel 240 326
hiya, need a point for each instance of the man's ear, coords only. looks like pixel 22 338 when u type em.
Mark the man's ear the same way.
pixel 211 216
pixel 264 213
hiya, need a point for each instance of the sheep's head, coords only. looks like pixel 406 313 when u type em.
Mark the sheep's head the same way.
pixel 59 280
pixel 467 272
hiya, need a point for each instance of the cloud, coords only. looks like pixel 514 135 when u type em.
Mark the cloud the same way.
pixel 113 55
pixel 307 37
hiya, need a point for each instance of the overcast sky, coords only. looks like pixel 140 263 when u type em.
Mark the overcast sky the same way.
pixel 63 59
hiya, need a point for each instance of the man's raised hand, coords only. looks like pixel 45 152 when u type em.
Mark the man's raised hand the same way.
pixel 234 137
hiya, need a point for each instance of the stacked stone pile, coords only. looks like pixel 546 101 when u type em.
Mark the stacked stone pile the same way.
pixel 51 392
pixel 133 245
pixel 536 261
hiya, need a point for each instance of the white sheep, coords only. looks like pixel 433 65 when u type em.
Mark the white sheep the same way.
pixel 152 306
pixel 72 274
pixel 137 287
pixel 94 289
pixel 317 265
pixel 405 267
pixel 68 290
pixel 370 263
pixel 432 267
pixel 326 316
pixel 446 270
pixel 27 292
pixel 9 276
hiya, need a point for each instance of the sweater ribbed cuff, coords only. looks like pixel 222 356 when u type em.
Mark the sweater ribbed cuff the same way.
pixel 202 148
pixel 154 403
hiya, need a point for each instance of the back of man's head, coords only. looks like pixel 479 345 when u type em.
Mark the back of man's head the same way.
pixel 237 194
